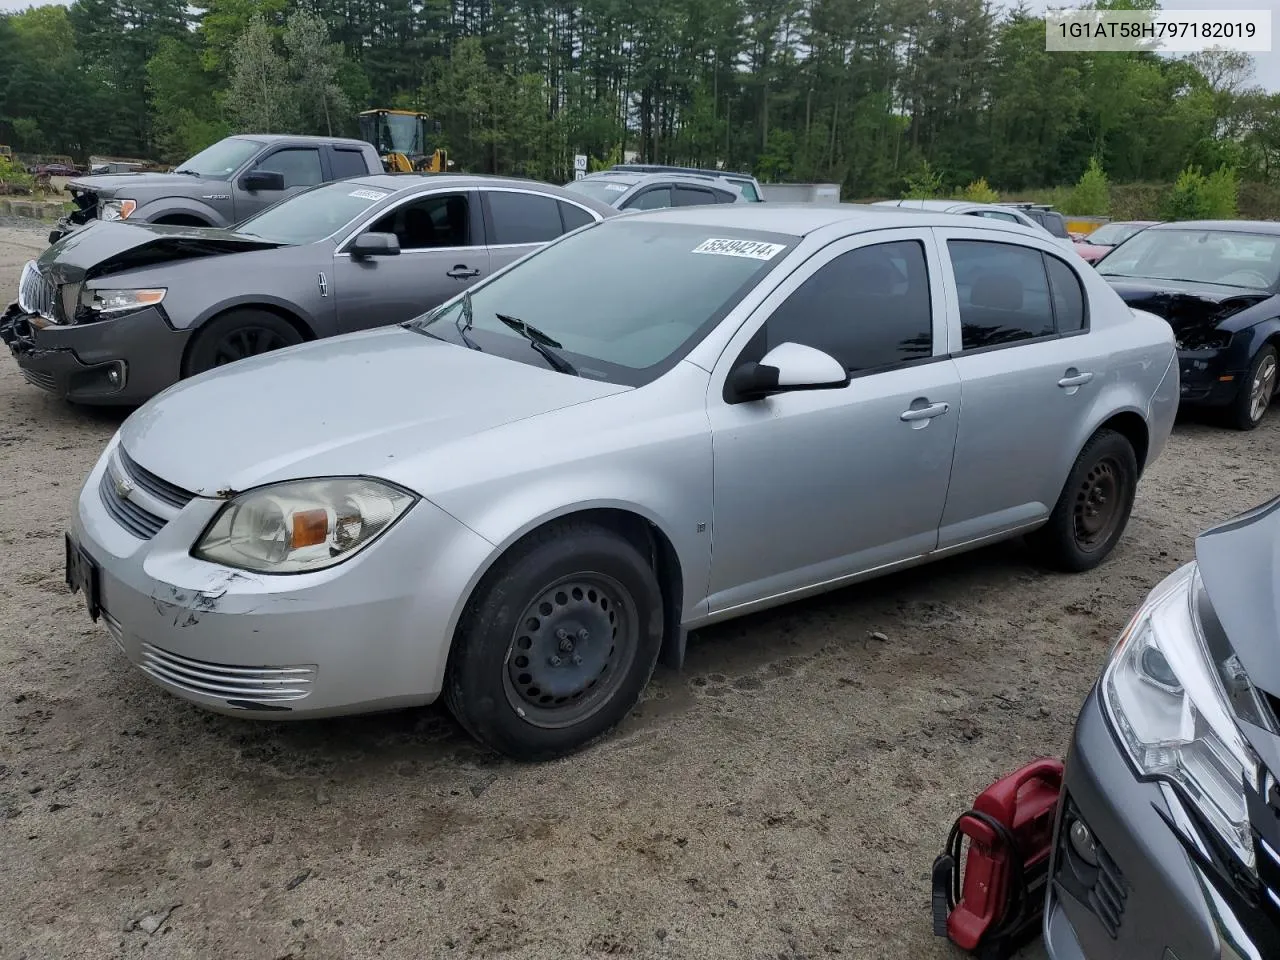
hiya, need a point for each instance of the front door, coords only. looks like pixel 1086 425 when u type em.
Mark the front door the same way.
pixel 300 167
pixel 1030 371
pixel 817 485
pixel 442 252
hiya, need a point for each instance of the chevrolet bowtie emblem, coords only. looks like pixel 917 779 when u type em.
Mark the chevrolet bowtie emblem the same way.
pixel 124 486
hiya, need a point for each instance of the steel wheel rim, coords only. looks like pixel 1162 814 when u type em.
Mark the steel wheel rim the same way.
pixel 1263 386
pixel 246 342
pixel 571 649
pixel 1099 504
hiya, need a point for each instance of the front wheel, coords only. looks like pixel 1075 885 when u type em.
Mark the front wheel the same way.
pixel 1093 508
pixel 557 642
pixel 1257 388
pixel 236 335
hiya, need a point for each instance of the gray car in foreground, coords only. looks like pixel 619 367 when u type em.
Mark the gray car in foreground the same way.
pixel 1168 840
pixel 513 500
pixel 116 312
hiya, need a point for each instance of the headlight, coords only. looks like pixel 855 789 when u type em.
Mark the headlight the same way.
pixel 122 301
pixel 301 525
pixel 116 209
pixel 1166 694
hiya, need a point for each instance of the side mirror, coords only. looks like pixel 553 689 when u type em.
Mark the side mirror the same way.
pixel 262 180
pixel 785 368
pixel 375 245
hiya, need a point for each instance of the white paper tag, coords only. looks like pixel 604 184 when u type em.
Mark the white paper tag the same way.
pixel 367 194
pixel 616 187
pixel 751 249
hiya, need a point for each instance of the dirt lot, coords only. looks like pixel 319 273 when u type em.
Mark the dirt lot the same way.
pixel 783 797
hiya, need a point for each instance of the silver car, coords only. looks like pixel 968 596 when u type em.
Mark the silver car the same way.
pixel 525 498
pixel 1008 212
pixel 648 190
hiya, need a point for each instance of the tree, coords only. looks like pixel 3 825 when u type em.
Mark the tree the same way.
pixel 259 98
pixel 1091 196
pixel 314 64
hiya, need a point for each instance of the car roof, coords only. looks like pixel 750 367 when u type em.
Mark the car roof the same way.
pixel 401 182
pixel 297 138
pixel 799 219
pixel 658 176
pixel 1227 226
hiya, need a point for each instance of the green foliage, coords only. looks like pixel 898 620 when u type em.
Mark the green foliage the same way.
pixel 1198 197
pixel 979 191
pixel 923 184
pixel 1091 196
pixel 14 178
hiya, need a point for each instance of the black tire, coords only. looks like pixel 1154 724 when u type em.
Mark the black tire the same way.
pixel 1257 388
pixel 525 614
pixel 236 335
pixel 1079 534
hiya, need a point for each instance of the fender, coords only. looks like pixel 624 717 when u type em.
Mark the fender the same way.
pixel 1252 340
pixel 153 210
pixel 255 300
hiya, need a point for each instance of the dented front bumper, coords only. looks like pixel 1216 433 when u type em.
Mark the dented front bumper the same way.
pixel 123 361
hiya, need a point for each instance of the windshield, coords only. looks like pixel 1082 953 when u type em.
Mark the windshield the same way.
pixel 624 300
pixel 1247 260
pixel 605 189
pixel 313 214
pixel 221 160
pixel 1112 234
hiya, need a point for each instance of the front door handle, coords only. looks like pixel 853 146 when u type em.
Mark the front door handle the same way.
pixel 1073 379
pixel 924 413
pixel 463 272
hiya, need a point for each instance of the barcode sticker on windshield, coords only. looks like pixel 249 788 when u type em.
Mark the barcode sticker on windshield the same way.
pixel 751 249
pixel 367 194
pixel 616 187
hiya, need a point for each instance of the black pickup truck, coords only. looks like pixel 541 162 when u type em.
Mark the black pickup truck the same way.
pixel 221 185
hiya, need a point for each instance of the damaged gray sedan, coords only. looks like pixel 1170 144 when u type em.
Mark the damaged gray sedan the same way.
pixel 116 312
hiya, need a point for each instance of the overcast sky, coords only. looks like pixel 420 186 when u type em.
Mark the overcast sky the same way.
pixel 1268 64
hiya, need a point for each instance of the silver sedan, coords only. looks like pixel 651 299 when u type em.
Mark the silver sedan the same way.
pixel 525 499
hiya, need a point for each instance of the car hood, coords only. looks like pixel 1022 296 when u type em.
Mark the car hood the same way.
pixel 1187 306
pixel 130 185
pixel 1091 252
pixel 366 403
pixel 107 246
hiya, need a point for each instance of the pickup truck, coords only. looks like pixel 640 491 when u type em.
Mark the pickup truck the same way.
pixel 221 185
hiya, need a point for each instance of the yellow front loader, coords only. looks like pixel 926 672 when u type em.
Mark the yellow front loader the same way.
pixel 400 137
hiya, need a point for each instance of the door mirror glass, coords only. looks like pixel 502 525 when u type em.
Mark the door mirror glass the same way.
pixel 375 245
pixel 262 180
pixel 787 367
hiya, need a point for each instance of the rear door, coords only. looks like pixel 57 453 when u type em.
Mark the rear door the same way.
pixel 1029 370
pixel 519 221
pixel 300 165
pixel 441 253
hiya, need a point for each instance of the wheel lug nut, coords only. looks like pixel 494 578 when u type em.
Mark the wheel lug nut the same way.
pixel 562 634
pixel 583 635
pixel 577 660
pixel 553 660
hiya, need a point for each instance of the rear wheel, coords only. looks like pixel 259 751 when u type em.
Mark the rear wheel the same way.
pixel 1256 390
pixel 557 642
pixel 237 335
pixel 1093 509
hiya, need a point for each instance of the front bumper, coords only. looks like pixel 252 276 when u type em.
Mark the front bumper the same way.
pixel 1168 909
pixel 1208 377
pixel 124 361
pixel 372 633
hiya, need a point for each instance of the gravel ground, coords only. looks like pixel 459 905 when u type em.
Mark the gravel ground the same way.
pixel 782 797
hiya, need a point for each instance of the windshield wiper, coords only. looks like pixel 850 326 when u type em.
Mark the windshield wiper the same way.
pixel 540 342
pixel 189 173
pixel 465 321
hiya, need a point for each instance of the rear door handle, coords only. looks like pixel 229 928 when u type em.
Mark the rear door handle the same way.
pixel 463 272
pixel 924 413
pixel 1075 379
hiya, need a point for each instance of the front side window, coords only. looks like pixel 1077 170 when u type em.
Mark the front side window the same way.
pixel 300 166
pixel 442 220
pixel 624 299
pixel 313 214
pixel 869 308
pixel 1004 293
pixel 523 218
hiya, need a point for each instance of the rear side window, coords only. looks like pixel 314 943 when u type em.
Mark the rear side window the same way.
pixel 348 163
pixel 523 217
pixel 1068 296
pixel 652 199
pixel 869 308
pixel 1057 225
pixel 573 216
pixel 694 196
pixel 1004 293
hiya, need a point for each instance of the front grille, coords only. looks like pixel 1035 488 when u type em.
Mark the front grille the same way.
pixel 36 294
pixel 159 488
pixel 231 683
pixel 140 522
pixel 41 379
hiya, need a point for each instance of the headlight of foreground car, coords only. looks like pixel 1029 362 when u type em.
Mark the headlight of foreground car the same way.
pixel 302 525
pixel 112 302
pixel 1166 695
pixel 116 209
